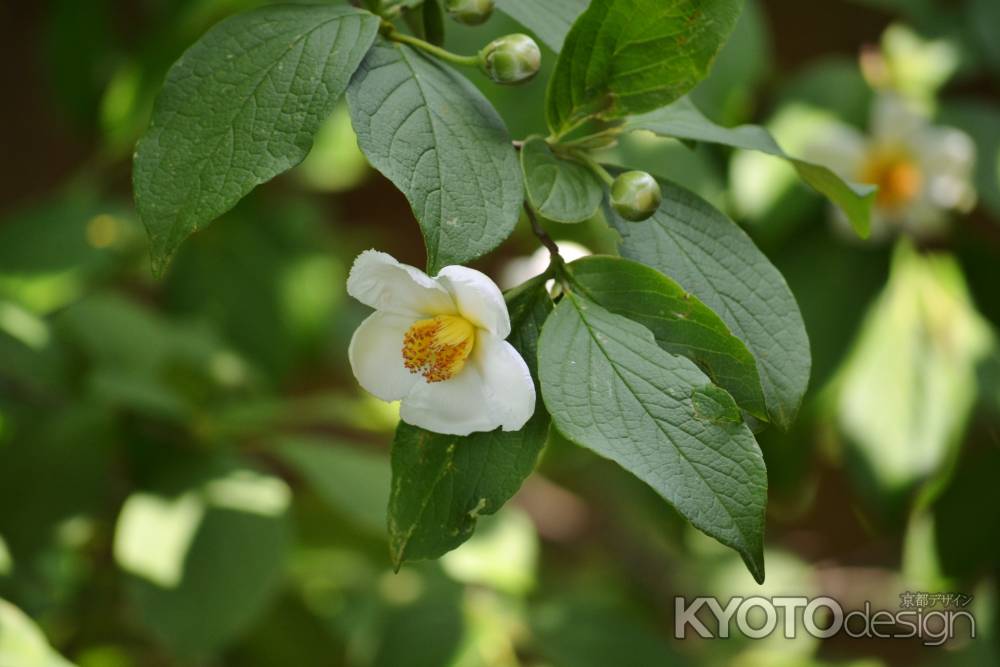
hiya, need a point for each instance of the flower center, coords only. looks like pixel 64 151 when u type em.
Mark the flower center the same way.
pixel 437 348
pixel 897 176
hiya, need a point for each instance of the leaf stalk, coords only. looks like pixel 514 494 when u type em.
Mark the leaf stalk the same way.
pixel 594 166
pixel 436 51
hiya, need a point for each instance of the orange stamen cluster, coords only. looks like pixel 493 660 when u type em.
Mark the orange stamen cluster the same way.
pixel 897 176
pixel 437 348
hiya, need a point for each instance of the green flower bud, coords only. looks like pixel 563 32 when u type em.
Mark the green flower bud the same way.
pixel 635 195
pixel 469 12
pixel 511 59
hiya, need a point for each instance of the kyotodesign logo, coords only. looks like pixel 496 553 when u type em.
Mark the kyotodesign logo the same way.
pixel 823 617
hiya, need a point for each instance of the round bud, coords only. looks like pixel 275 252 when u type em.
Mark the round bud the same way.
pixel 469 12
pixel 635 195
pixel 511 59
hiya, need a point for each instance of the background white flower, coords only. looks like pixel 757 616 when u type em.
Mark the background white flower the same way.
pixel 437 344
pixel 923 171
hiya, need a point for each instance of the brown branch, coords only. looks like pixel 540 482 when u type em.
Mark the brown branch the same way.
pixel 542 235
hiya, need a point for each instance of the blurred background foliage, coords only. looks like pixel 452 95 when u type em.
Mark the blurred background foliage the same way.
pixel 190 476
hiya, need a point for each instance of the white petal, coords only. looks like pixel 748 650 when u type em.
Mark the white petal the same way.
pixel 948 148
pixel 948 160
pixel 379 281
pixel 493 390
pixel 376 355
pixel 507 384
pixel 839 147
pixel 895 120
pixel 478 298
pixel 924 219
pixel 455 407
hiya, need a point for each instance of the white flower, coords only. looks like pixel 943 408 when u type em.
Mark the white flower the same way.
pixel 437 344
pixel 923 171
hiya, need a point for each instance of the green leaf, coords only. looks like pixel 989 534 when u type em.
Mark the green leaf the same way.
pixel 561 190
pixel 426 628
pixel 437 138
pixel 76 478
pixel 584 627
pixel 612 389
pixel 238 108
pixel 631 56
pixel 347 478
pixel 139 360
pixel 426 20
pixel 745 62
pixel 443 483
pixel 549 20
pixel 969 542
pixel 680 322
pixel 983 16
pixel 683 120
pixel 53 238
pixel 711 257
pixel 433 22
pixel 206 558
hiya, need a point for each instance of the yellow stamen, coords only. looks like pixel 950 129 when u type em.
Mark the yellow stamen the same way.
pixel 897 176
pixel 437 348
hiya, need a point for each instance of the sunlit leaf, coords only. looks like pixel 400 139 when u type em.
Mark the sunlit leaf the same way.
pixel 22 643
pixel 631 56
pixel 206 558
pixel 503 554
pixel 907 389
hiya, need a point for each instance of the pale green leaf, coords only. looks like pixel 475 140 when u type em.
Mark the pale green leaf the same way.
pixel 681 323
pixel 549 20
pixel 441 484
pixel 22 643
pixel 908 387
pixel 438 139
pixel 560 189
pixel 711 257
pixel 240 107
pixel 682 120
pixel 206 557
pixel 612 389
pixel 503 554
pixel 631 56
